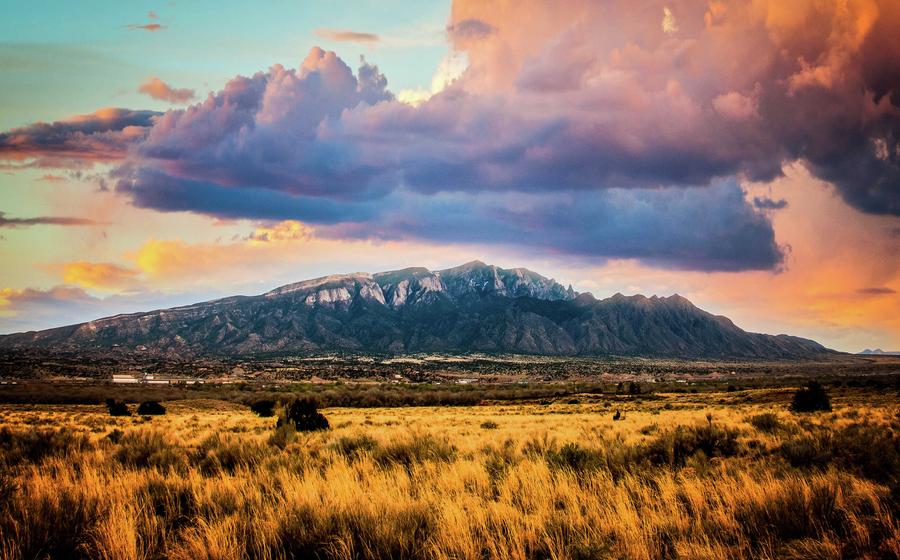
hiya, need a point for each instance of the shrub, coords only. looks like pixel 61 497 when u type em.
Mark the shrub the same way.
pixel 573 456
pixel 352 447
pixel 766 422
pixel 416 449
pixel 811 399
pixel 264 408
pixel 871 450
pixel 675 447
pixel 216 454
pixel 117 408
pixel 34 445
pixel 303 416
pixel 150 449
pixel 489 425
pixel 151 408
pixel 115 436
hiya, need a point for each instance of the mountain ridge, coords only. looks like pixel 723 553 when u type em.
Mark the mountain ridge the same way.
pixel 474 307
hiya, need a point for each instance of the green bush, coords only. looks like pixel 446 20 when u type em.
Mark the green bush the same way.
pixel 264 408
pixel 813 398
pixel 303 416
pixel 117 408
pixel 151 408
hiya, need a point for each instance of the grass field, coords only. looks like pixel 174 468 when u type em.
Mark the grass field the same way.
pixel 731 474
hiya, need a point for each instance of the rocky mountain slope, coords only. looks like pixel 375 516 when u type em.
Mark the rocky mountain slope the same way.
pixel 471 308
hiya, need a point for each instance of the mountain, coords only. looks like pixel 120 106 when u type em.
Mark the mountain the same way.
pixel 879 352
pixel 470 308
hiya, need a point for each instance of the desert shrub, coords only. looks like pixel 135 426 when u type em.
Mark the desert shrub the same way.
pixel 352 447
pixel 264 407
pixel 50 522
pixel 117 408
pixel 497 461
pixel 540 446
pixel 417 448
pixel 151 408
pixel 634 388
pixel 303 416
pixel 813 398
pixel 150 449
pixel 115 436
pixel 216 454
pixel 575 457
pixel 489 425
pixel 766 422
pixel 676 446
pixel 871 450
pixel 33 446
pixel 283 436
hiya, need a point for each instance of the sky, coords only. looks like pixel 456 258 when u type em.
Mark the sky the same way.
pixel 742 153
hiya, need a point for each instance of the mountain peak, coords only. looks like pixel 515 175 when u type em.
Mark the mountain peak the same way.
pixel 470 308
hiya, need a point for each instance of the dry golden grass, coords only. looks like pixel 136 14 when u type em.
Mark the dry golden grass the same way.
pixel 682 476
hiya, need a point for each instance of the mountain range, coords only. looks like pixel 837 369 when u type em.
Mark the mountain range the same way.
pixel 470 308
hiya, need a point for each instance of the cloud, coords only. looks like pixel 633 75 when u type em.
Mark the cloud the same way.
pixel 669 25
pixel 766 203
pixel 151 27
pixel 100 276
pixel 158 89
pixel 99 137
pixel 33 309
pixel 45 220
pixel 469 29
pixel 550 117
pixel 50 178
pixel 876 291
pixel 348 36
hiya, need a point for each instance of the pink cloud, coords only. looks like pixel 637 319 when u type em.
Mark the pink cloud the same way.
pixel 158 89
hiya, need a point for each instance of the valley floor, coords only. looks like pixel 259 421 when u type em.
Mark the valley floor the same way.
pixel 730 474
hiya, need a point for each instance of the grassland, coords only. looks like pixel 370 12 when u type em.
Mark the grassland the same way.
pixel 717 474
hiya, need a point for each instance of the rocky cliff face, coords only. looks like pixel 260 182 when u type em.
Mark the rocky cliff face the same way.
pixel 471 308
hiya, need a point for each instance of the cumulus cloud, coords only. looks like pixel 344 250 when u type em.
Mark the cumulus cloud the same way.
pixel 158 89
pixel 99 137
pixel 550 118
pixel 44 220
pixel 347 36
